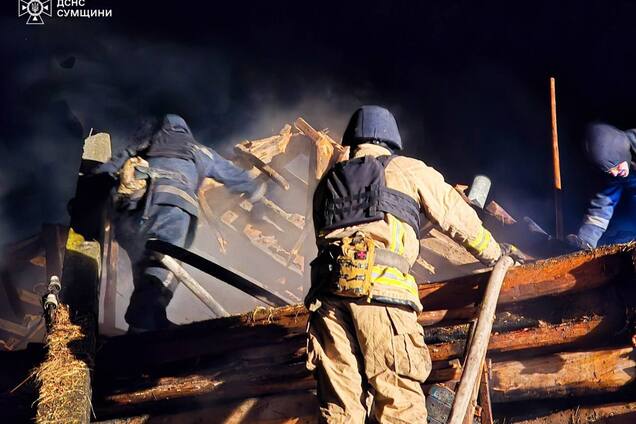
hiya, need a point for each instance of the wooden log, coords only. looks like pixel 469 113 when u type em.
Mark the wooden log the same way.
pixel 551 376
pixel 479 343
pixel 216 386
pixel 563 374
pixel 615 413
pixel 290 408
pixel 546 338
pixel 272 326
pixel 265 363
pixel 566 274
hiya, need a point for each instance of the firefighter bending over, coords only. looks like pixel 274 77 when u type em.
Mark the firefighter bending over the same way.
pixel 365 346
pixel 159 179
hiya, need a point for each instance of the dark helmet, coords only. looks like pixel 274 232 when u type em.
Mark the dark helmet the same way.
pixel 372 124
pixel 606 146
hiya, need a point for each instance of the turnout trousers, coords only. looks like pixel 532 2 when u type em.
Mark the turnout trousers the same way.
pixel 369 360
pixel 153 284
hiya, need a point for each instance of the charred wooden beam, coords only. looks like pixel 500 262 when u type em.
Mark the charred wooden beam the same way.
pixel 544 338
pixel 615 413
pixel 564 375
pixel 551 376
pixel 566 274
pixel 221 386
pixel 287 408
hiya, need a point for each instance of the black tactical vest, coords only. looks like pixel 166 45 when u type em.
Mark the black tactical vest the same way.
pixel 354 192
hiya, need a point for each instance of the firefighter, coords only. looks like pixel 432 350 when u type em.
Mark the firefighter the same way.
pixel 159 180
pixel 365 346
pixel 611 152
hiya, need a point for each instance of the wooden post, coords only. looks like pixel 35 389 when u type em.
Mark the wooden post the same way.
pixel 558 193
pixel 484 395
pixel 65 376
pixel 477 353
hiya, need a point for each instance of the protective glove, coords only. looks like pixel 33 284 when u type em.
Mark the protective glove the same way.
pixel 578 243
pixel 515 254
pixel 108 168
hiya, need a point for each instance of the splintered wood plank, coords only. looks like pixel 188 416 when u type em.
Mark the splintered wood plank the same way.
pixel 259 153
pixel 563 374
pixel 267 148
pixel 327 150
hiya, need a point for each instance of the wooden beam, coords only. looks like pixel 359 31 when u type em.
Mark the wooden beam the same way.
pixel 266 326
pixel 220 385
pixel 563 375
pixel 547 337
pixel 298 407
pixel 327 150
pixel 566 274
pixel 615 413
pixel 484 395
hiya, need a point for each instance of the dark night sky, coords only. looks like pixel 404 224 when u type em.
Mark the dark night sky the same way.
pixel 468 83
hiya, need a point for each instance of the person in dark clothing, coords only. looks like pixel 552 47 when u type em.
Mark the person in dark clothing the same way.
pixel 168 211
pixel 611 151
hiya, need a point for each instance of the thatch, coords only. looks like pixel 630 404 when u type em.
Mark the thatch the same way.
pixel 58 376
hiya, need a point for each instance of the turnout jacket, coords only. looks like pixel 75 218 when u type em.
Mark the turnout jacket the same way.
pixel 178 164
pixel 439 202
pixel 609 190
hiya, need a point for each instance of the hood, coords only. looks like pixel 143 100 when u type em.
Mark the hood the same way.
pixel 174 139
pixel 175 124
pixel 606 146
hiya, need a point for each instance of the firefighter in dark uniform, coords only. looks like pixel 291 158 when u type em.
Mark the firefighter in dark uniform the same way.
pixel 171 165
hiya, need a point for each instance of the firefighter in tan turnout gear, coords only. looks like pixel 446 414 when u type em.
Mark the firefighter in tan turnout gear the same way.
pixel 365 346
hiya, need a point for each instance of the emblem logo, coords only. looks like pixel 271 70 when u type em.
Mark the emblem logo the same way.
pixel 36 9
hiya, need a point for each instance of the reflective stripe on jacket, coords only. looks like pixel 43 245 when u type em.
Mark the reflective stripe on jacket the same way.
pixel 440 203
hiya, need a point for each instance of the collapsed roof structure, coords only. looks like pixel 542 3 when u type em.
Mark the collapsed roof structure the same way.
pixel 561 339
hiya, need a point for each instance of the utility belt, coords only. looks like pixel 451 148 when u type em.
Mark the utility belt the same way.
pixel 357 268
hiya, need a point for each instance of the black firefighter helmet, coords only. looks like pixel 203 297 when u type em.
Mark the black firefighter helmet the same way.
pixel 372 124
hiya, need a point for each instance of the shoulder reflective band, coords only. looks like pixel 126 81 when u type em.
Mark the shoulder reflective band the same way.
pixel 481 242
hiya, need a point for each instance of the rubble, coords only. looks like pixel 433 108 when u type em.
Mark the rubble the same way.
pixel 557 332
